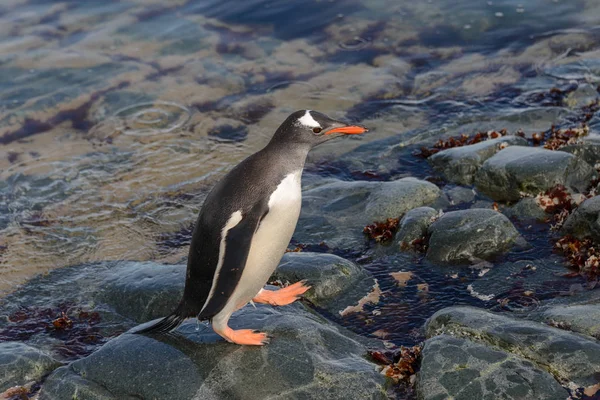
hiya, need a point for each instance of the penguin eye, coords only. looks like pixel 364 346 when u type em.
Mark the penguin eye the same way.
pixel 317 130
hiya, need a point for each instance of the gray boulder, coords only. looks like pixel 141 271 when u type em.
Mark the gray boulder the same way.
pixel 571 358
pixel 21 364
pixel 526 208
pixel 462 370
pixel 588 149
pixel 336 212
pixel 517 169
pixel 459 164
pixel 414 224
pixel 585 220
pixel 468 235
pixel 336 282
pixel 307 358
pixel 583 318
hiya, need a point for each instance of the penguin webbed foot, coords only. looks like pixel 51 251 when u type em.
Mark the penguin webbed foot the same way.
pixel 249 337
pixel 282 297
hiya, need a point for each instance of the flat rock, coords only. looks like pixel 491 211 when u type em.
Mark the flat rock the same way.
pixel 468 235
pixel 571 358
pixel 584 221
pixel 462 370
pixel 21 364
pixel 414 224
pixel 584 318
pixel 336 212
pixel 307 358
pixel 518 169
pixel 459 164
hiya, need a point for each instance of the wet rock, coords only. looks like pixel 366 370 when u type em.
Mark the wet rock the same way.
pixel 584 220
pixel 336 282
pixel 519 169
pixel 571 358
pixel 459 194
pixel 307 358
pixel 142 291
pixel 462 370
pixel 584 318
pixel 459 164
pixel 588 149
pixel 583 95
pixel 467 235
pixel 21 364
pixel 337 211
pixel 526 208
pixel 414 224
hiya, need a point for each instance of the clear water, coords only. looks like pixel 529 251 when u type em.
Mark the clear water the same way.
pixel 116 117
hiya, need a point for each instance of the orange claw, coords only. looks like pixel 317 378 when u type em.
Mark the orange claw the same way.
pixel 282 296
pixel 245 337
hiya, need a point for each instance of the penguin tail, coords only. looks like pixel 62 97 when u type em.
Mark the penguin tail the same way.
pixel 166 324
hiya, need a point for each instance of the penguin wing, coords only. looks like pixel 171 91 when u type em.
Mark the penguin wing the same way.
pixel 235 253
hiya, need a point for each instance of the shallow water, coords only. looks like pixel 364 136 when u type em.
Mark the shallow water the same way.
pixel 116 117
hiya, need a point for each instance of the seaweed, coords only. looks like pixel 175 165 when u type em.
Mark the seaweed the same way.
pixel 459 141
pixel 382 231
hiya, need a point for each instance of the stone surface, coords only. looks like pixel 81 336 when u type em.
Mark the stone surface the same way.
pixel 459 164
pixel 588 149
pixel 21 364
pixel 336 212
pixel 525 208
pixel 307 358
pixel 583 318
pixel 468 235
pixel 584 221
pixel 519 169
pixel 414 224
pixel 571 358
pixel 462 370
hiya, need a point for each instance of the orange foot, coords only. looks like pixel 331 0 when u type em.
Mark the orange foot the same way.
pixel 283 296
pixel 245 337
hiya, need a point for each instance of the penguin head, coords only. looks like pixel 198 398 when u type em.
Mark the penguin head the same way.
pixel 313 128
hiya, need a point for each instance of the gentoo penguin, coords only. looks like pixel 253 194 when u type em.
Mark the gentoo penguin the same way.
pixel 244 227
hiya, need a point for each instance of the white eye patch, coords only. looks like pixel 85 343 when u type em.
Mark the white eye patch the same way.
pixel 308 120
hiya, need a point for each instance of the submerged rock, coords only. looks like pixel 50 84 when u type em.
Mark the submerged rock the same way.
pixel 414 224
pixel 525 208
pixel 459 164
pixel 462 370
pixel 571 358
pixel 307 358
pixel 336 212
pixel 517 169
pixel 21 364
pixel 468 235
pixel 584 221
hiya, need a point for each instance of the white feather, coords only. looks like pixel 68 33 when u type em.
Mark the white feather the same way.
pixel 308 120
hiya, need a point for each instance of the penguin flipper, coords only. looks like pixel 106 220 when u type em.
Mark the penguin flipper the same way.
pixel 239 239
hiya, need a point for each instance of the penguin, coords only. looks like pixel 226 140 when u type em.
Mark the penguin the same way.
pixel 244 228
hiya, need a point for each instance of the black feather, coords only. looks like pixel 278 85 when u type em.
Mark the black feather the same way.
pixel 166 324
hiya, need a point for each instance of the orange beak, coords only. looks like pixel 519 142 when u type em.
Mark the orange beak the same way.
pixel 348 130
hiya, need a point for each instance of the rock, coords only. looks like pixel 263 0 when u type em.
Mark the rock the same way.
pixel 336 282
pixel 584 221
pixel 21 364
pixel 459 194
pixel 336 212
pixel 462 370
pixel 459 164
pixel 142 291
pixel 414 224
pixel 467 235
pixel 569 357
pixel 307 358
pixel 526 208
pixel 588 149
pixel 582 96
pixel 584 319
pixel 519 169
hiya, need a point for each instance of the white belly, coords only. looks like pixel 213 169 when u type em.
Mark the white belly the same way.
pixel 270 240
